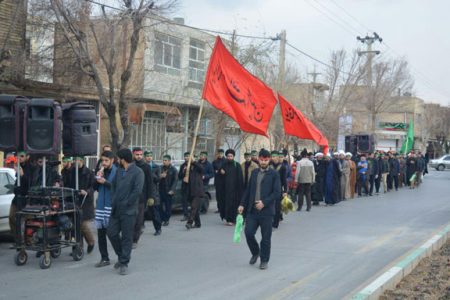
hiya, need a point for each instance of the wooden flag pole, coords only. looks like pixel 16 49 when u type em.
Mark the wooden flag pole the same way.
pixel 194 142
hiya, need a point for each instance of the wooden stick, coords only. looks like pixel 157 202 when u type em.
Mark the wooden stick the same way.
pixel 194 142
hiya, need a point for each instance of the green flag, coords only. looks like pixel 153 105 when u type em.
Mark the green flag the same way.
pixel 408 143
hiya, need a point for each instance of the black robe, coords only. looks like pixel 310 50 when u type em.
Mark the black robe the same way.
pixel 333 182
pixel 219 184
pixel 318 189
pixel 233 186
pixel 411 167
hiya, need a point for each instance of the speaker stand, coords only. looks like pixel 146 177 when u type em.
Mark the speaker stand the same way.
pixel 44 171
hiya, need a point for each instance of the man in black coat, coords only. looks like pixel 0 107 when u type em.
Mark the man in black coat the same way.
pixel 86 182
pixel 154 206
pixel 219 183
pixel 184 188
pixel 146 194
pixel 167 187
pixel 66 171
pixel 258 201
pixel 196 194
pixel 126 193
pixel 278 166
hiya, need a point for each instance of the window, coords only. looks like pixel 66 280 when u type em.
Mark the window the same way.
pixel 196 61
pixel 447 158
pixel 5 184
pixel 167 54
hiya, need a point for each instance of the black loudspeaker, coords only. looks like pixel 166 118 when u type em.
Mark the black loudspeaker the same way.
pixel 79 129
pixel 366 143
pixel 11 122
pixel 43 127
pixel 351 144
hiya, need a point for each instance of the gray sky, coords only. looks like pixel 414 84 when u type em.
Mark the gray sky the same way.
pixel 419 30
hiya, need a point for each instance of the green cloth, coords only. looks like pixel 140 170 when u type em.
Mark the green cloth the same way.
pixel 409 141
pixel 238 229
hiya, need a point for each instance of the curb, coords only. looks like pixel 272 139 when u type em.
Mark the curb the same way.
pixel 390 278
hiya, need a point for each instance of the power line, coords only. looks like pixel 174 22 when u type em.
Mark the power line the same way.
pixel 352 17
pixel 338 17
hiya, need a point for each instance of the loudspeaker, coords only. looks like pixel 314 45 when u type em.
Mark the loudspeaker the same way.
pixel 11 122
pixel 351 144
pixel 79 129
pixel 366 143
pixel 43 127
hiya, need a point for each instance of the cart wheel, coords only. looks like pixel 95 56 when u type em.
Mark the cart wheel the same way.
pixel 21 257
pixel 55 253
pixel 77 253
pixel 45 261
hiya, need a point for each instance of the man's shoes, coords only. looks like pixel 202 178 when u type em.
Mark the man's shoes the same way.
pixel 253 260
pixel 165 223
pixel 102 263
pixel 188 226
pixel 308 209
pixel 90 248
pixel 117 265
pixel 134 246
pixel 264 265
pixel 123 270
pixel 197 226
pixel 216 212
pixel 157 232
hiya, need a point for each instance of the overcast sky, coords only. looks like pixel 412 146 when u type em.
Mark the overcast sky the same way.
pixel 419 30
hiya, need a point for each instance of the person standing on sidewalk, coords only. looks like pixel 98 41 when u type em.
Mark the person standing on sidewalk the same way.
pixel 126 192
pixel 104 178
pixel 258 201
pixel 167 187
pixel 146 193
pixel 305 177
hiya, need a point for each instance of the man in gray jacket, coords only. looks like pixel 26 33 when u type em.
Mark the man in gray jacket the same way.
pixel 126 191
pixel 305 177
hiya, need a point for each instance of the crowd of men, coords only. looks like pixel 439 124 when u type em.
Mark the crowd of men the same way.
pixel 130 186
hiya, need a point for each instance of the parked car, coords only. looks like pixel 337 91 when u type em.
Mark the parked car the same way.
pixel 7 179
pixel 441 163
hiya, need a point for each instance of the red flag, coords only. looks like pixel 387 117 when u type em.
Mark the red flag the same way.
pixel 229 87
pixel 296 124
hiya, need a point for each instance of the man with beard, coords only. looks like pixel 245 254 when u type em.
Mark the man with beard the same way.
pixel 154 203
pixel 372 172
pixel 258 202
pixel 234 184
pixel 218 180
pixel 66 171
pixel 394 171
pixel 126 193
pixel 333 181
pixel 255 157
pixel 52 178
pixel 20 191
pixel 167 187
pixel 318 188
pixel 351 183
pixel 208 170
pixel 278 166
pixel 86 182
pixel 185 187
pixel 104 178
pixel 345 169
pixel 146 193
pixel 247 168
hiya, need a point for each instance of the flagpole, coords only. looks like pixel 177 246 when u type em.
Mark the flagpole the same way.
pixel 194 142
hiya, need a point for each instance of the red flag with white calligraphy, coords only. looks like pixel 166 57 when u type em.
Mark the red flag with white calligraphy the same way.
pixel 296 124
pixel 229 87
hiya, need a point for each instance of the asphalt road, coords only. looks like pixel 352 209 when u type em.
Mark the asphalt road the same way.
pixel 325 254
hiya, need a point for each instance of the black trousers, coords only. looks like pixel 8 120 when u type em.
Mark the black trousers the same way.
pixel 185 199
pixel 102 243
pixel 139 222
pixel 304 190
pixel 195 211
pixel 394 181
pixel 252 223
pixel 371 184
pixel 377 183
pixel 156 219
pixel 120 233
pixel 278 214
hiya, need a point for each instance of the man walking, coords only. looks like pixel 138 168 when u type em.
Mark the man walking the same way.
pixel 167 187
pixel 126 192
pixel 218 180
pixel 278 166
pixel 372 171
pixel 305 177
pixel 247 168
pixel 154 203
pixel 258 201
pixel 105 176
pixel 196 194
pixel 185 187
pixel 394 171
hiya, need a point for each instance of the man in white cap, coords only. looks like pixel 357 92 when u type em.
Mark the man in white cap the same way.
pixel 345 169
pixel 351 183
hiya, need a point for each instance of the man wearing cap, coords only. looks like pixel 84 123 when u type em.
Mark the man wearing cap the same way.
pixel 333 181
pixel 126 193
pixel 154 203
pixel 167 187
pixel 258 202
pixel 305 178
pixel 86 182
pixel 218 180
pixel 345 170
pixel 277 165
pixel 351 183
pixel 66 171
pixel 184 187
pixel 234 184
pixel 247 168
pixel 146 193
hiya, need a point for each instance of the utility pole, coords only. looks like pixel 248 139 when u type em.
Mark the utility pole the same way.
pixel 282 61
pixel 369 40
